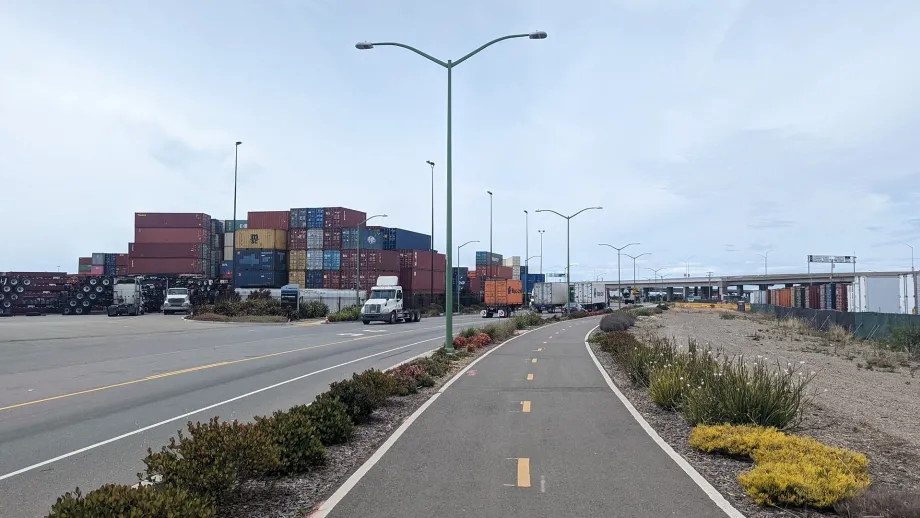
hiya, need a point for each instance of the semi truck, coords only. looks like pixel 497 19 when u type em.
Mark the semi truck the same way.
pixel 502 297
pixel 177 300
pixel 387 303
pixel 548 296
pixel 127 297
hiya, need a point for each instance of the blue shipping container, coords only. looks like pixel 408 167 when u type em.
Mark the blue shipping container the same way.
pixel 234 225
pixel 464 281
pixel 332 260
pixel 401 239
pixel 313 280
pixel 316 217
pixel 482 259
pixel 108 271
pixel 226 269
pixel 109 259
pixel 371 239
pixel 315 260
pixel 298 218
pixel 256 259
pixel 349 239
pixel 261 279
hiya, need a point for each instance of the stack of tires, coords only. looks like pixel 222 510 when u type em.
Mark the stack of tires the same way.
pixel 11 290
pixel 87 293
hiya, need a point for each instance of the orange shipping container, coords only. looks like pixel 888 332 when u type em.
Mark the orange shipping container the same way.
pixel 503 292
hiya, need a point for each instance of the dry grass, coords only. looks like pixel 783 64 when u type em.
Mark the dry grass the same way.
pixel 248 319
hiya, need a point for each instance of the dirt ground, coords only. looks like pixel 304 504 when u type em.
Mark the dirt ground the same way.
pixel 866 398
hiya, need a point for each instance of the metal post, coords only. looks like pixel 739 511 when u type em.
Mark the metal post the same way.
pixel 541 250
pixel 458 270
pixel 490 234
pixel 431 243
pixel 236 161
pixel 526 248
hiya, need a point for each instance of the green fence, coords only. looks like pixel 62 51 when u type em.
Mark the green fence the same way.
pixel 863 325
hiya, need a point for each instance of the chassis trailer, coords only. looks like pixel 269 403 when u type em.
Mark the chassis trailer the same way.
pixel 502 297
pixel 388 303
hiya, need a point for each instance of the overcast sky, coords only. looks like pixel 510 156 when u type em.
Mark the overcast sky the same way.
pixel 713 129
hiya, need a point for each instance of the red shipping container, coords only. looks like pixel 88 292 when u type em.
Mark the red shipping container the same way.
pixel 121 259
pixel 85 260
pixel 332 279
pixel 368 279
pixel 270 219
pixel 422 259
pixel 171 235
pixel 420 280
pixel 165 250
pixel 332 239
pixel 497 272
pixel 171 220
pixel 340 217
pixel 165 266
pixel 97 269
pixel 380 260
pixel 121 270
pixel 297 239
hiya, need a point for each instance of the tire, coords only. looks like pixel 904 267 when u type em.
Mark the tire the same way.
pixel 416 316
pixel 165 312
pixel 392 318
pixel 366 322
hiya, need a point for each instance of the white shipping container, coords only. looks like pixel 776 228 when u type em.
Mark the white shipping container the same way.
pixel 514 260
pixel 228 239
pixel 228 253
pixel 550 294
pixel 315 241
pixel 877 294
pixel 516 272
pixel 908 286
pixel 758 297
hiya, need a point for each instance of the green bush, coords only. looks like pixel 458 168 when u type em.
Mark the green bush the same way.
pixel 426 381
pixel 214 458
pixel 330 419
pixel 499 332
pixel 382 381
pixel 360 397
pixel 613 342
pixel 405 384
pixel 577 314
pixel 617 321
pixel 298 442
pixel 345 314
pixel 313 309
pixel 431 366
pixel 469 332
pixel 528 320
pixel 644 312
pixel 149 501
pixel 904 338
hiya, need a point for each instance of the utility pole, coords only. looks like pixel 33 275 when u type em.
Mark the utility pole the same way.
pixel 236 161
pixel 765 256
pixel 655 271
pixel 490 233
pixel 568 246
pixel 710 285
pixel 541 250
pixel 431 244
pixel 526 249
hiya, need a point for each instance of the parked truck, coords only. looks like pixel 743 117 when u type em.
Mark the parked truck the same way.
pixel 502 297
pixel 590 296
pixel 177 300
pixel 388 303
pixel 127 297
pixel 547 296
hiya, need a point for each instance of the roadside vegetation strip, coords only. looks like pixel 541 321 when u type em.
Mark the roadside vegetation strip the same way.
pixel 743 408
pixel 205 470
pixel 258 307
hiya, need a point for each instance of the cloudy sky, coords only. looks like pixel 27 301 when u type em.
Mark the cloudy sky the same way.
pixel 705 128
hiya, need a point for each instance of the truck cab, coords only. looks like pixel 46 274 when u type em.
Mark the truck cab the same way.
pixel 386 303
pixel 177 299
pixel 127 297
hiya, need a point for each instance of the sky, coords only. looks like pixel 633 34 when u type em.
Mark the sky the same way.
pixel 710 131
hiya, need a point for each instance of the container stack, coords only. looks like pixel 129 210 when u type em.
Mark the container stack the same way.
pixel 422 272
pixel 121 264
pixel 305 243
pixel 170 243
pixel 216 250
pixel 84 265
pixel 261 259
pixel 374 263
pixel 485 259
pixel 495 272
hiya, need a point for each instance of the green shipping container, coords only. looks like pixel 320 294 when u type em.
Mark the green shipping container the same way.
pixel 85 268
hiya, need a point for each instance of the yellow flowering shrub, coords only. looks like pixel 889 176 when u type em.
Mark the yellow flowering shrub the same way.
pixel 789 470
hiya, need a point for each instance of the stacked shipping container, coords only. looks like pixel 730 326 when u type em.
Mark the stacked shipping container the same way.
pixel 261 259
pixel 162 236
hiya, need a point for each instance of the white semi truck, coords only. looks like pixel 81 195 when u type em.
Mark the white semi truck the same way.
pixel 591 296
pixel 177 300
pixel 388 303
pixel 127 297
pixel 547 296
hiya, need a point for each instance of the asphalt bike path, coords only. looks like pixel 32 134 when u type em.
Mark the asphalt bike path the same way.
pixel 532 429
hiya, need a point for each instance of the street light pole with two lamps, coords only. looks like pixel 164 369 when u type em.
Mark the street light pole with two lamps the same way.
pixel 458 270
pixel 450 65
pixel 619 278
pixel 568 244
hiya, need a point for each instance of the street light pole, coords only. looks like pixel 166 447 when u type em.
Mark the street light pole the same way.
pixel 619 277
pixel 449 65
pixel 568 244
pixel 688 265
pixel 656 274
pixel 236 161
pixel 526 247
pixel 541 250
pixel 634 264
pixel 458 271
pixel 431 243
pixel 912 274
pixel 765 256
pixel 358 258
pixel 490 234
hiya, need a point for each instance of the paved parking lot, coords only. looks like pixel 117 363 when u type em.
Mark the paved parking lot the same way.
pixel 51 327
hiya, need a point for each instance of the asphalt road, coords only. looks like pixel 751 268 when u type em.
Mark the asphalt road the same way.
pixel 496 444
pixel 83 397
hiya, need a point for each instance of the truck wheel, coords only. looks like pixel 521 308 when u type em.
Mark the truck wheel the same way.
pixel 165 312
pixel 366 322
pixel 416 316
pixel 393 317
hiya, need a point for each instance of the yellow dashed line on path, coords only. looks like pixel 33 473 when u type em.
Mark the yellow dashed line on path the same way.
pixel 533 360
pixel 530 377
pixel 523 473
pixel 525 407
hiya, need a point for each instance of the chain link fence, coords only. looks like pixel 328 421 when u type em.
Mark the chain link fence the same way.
pixel 862 324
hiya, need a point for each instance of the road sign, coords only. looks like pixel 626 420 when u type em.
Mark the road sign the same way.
pixel 832 259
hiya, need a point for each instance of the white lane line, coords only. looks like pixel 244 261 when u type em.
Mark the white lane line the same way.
pixel 694 475
pixel 326 507
pixel 203 409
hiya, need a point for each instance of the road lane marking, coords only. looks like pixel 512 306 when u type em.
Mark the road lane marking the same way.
pixel 532 360
pixel 183 371
pixel 530 377
pixel 326 507
pixel 525 407
pixel 209 407
pixel 523 472
pixel 538 350
pixel 694 475
pixel 542 483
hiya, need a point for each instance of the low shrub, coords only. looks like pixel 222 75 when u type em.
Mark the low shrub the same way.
pixel 528 320
pixel 469 332
pixel 433 310
pixel 499 332
pixel 379 379
pixel 666 386
pixel 329 418
pixel 431 366
pixel 789 470
pixel 727 315
pixel 617 321
pixel 405 384
pixel 612 343
pixel 411 370
pixel 313 309
pixel 880 501
pixel 360 397
pixel 644 312
pixel 663 307
pixel 298 442
pixel 904 338
pixel 151 501
pixel 345 314
pixel 577 314
pixel 461 341
pixel 481 340
pixel 214 458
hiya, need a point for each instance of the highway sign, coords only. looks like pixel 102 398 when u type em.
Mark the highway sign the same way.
pixel 832 259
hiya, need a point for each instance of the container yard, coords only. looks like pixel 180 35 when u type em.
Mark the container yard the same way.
pixel 891 294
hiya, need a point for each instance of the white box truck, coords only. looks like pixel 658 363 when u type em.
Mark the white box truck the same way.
pixel 547 296
pixel 591 296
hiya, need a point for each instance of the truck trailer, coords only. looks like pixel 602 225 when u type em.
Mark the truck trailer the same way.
pixel 547 296
pixel 591 296
pixel 387 303
pixel 502 297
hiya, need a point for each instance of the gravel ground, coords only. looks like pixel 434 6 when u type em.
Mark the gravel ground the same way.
pixel 297 496
pixel 838 417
